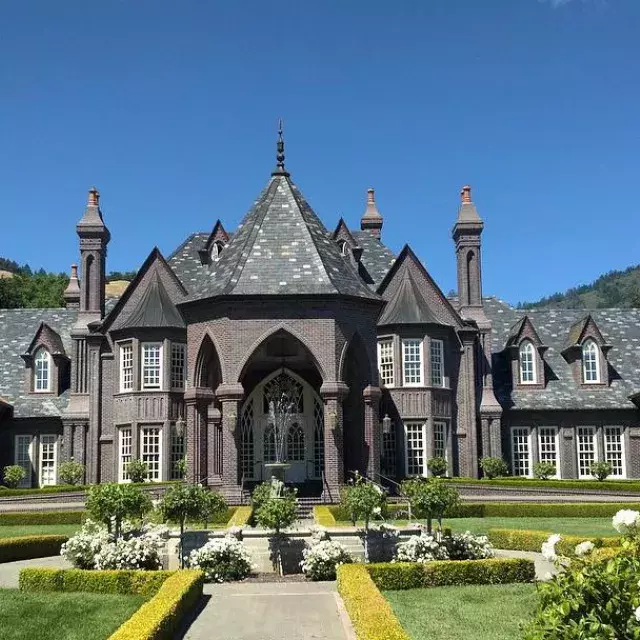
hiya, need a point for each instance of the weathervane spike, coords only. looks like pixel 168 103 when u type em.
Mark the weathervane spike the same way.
pixel 280 170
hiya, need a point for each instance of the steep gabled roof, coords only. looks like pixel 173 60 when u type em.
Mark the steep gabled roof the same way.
pixel 46 334
pixel 518 329
pixel 408 305
pixel 342 232
pixel 280 248
pixel 155 309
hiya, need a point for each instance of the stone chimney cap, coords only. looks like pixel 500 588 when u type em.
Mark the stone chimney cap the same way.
pixel 94 197
pixel 465 193
pixel 372 209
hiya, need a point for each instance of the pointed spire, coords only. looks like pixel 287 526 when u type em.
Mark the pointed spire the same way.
pixel 372 218
pixel 72 292
pixel 280 170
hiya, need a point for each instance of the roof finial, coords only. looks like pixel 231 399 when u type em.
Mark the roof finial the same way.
pixel 94 197
pixel 280 170
pixel 466 193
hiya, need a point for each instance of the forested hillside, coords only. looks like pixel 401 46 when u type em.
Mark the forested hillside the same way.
pixel 613 289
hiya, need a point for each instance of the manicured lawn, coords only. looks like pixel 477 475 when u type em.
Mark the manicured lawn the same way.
pixel 62 616
pixel 12 531
pixel 490 612
pixel 576 526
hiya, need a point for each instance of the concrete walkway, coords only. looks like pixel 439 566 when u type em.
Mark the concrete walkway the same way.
pixel 272 611
pixel 10 571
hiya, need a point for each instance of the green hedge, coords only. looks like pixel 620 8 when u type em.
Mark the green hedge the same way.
pixel 523 540
pixel 64 488
pixel 409 575
pixel 240 518
pixel 41 517
pixel 323 515
pixel 26 547
pixel 161 617
pixel 623 486
pixel 142 583
pixel 370 612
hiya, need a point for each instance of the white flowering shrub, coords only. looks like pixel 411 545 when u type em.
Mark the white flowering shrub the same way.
pixel 222 560
pixel 321 560
pixel 93 547
pixel 592 596
pixel 466 546
pixel 422 548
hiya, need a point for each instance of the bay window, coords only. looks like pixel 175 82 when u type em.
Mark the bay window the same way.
pixel 126 367
pixel 151 452
pixel 385 362
pixel 412 362
pixel 415 448
pixel 152 365
pixel 125 453
pixel 440 439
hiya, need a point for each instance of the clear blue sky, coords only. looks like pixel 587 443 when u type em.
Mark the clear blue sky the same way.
pixel 170 109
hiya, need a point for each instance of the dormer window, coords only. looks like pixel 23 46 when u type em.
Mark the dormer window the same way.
pixel 590 362
pixel 344 247
pixel 527 363
pixel 42 372
pixel 216 250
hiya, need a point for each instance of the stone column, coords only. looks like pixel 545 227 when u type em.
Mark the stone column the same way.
pixel 372 430
pixel 332 394
pixel 230 396
pixel 67 445
pixel 467 412
pixel 196 400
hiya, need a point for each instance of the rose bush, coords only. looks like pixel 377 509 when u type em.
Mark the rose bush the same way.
pixel 422 548
pixel 222 560
pixel 322 559
pixel 466 546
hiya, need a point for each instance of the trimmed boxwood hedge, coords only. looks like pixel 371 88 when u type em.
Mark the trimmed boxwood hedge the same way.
pixel 41 517
pixel 622 486
pixel 370 612
pixel 323 515
pixel 523 540
pixel 393 576
pixel 240 518
pixel 161 617
pixel 65 488
pixel 26 547
pixel 141 583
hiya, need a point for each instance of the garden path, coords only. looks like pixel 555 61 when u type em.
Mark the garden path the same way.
pixel 272 611
pixel 10 571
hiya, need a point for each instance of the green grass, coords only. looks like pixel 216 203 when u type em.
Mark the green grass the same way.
pixel 13 531
pixel 490 612
pixel 569 526
pixel 62 616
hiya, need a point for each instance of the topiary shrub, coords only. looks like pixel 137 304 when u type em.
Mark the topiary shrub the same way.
pixel 13 475
pixel 71 472
pixel 493 467
pixel 438 466
pixel 431 499
pixel 544 470
pixel 601 470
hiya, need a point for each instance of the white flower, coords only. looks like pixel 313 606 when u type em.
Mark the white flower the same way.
pixel 626 521
pixel 584 548
pixel 377 511
pixel 638 614
pixel 549 547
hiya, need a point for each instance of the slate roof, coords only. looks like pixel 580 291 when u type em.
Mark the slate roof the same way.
pixel 408 305
pixel 377 258
pixel 280 248
pixel 185 260
pixel 17 329
pixel 155 309
pixel 620 328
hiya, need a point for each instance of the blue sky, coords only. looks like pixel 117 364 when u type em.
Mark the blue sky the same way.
pixel 170 109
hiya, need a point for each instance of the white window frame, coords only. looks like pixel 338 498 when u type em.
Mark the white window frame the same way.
pixel 48 439
pixel 177 453
pixel 440 427
pixel 521 432
pixel 607 451
pixel 178 369
pixel 420 428
pixel 126 372
pixel 155 475
pixel 122 463
pixel 420 370
pixel 556 445
pixel 590 354
pixel 527 352
pixel 216 250
pixel 25 463
pixel 385 362
pixel 594 440
pixel 436 357
pixel 38 379
pixel 144 366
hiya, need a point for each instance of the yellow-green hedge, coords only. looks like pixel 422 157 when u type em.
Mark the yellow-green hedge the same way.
pixel 26 547
pixel 41 517
pixel 142 583
pixel 161 617
pixel 523 540
pixel 240 518
pixel 323 516
pixel 370 613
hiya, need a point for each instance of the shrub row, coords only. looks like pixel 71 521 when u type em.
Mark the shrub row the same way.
pixel 623 486
pixel 523 540
pixel 63 488
pixel 323 515
pixel 41 517
pixel 440 573
pixel 161 617
pixel 143 583
pixel 370 613
pixel 26 547
pixel 240 518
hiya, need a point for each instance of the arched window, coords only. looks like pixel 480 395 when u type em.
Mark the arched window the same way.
pixel 527 363
pixel 590 361
pixel 344 247
pixel 246 441
pixel 269 444
pixel 295 443
pixel 216 250
pixel 42 371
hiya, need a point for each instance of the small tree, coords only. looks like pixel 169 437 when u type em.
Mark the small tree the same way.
pixel 213 504
pixel 112 503
pixel 601 470
pixel 493 467
pixel 278 514
pixel 544 470
pixel 71 472
pixel 13 475
pixel 260 495
pixel 438 466
pixel 431 499
pixel 137 471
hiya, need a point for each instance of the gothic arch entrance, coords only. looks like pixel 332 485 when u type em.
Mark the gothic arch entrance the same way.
pixel 304 439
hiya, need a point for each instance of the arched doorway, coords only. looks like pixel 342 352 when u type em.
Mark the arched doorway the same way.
pixel 303 444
